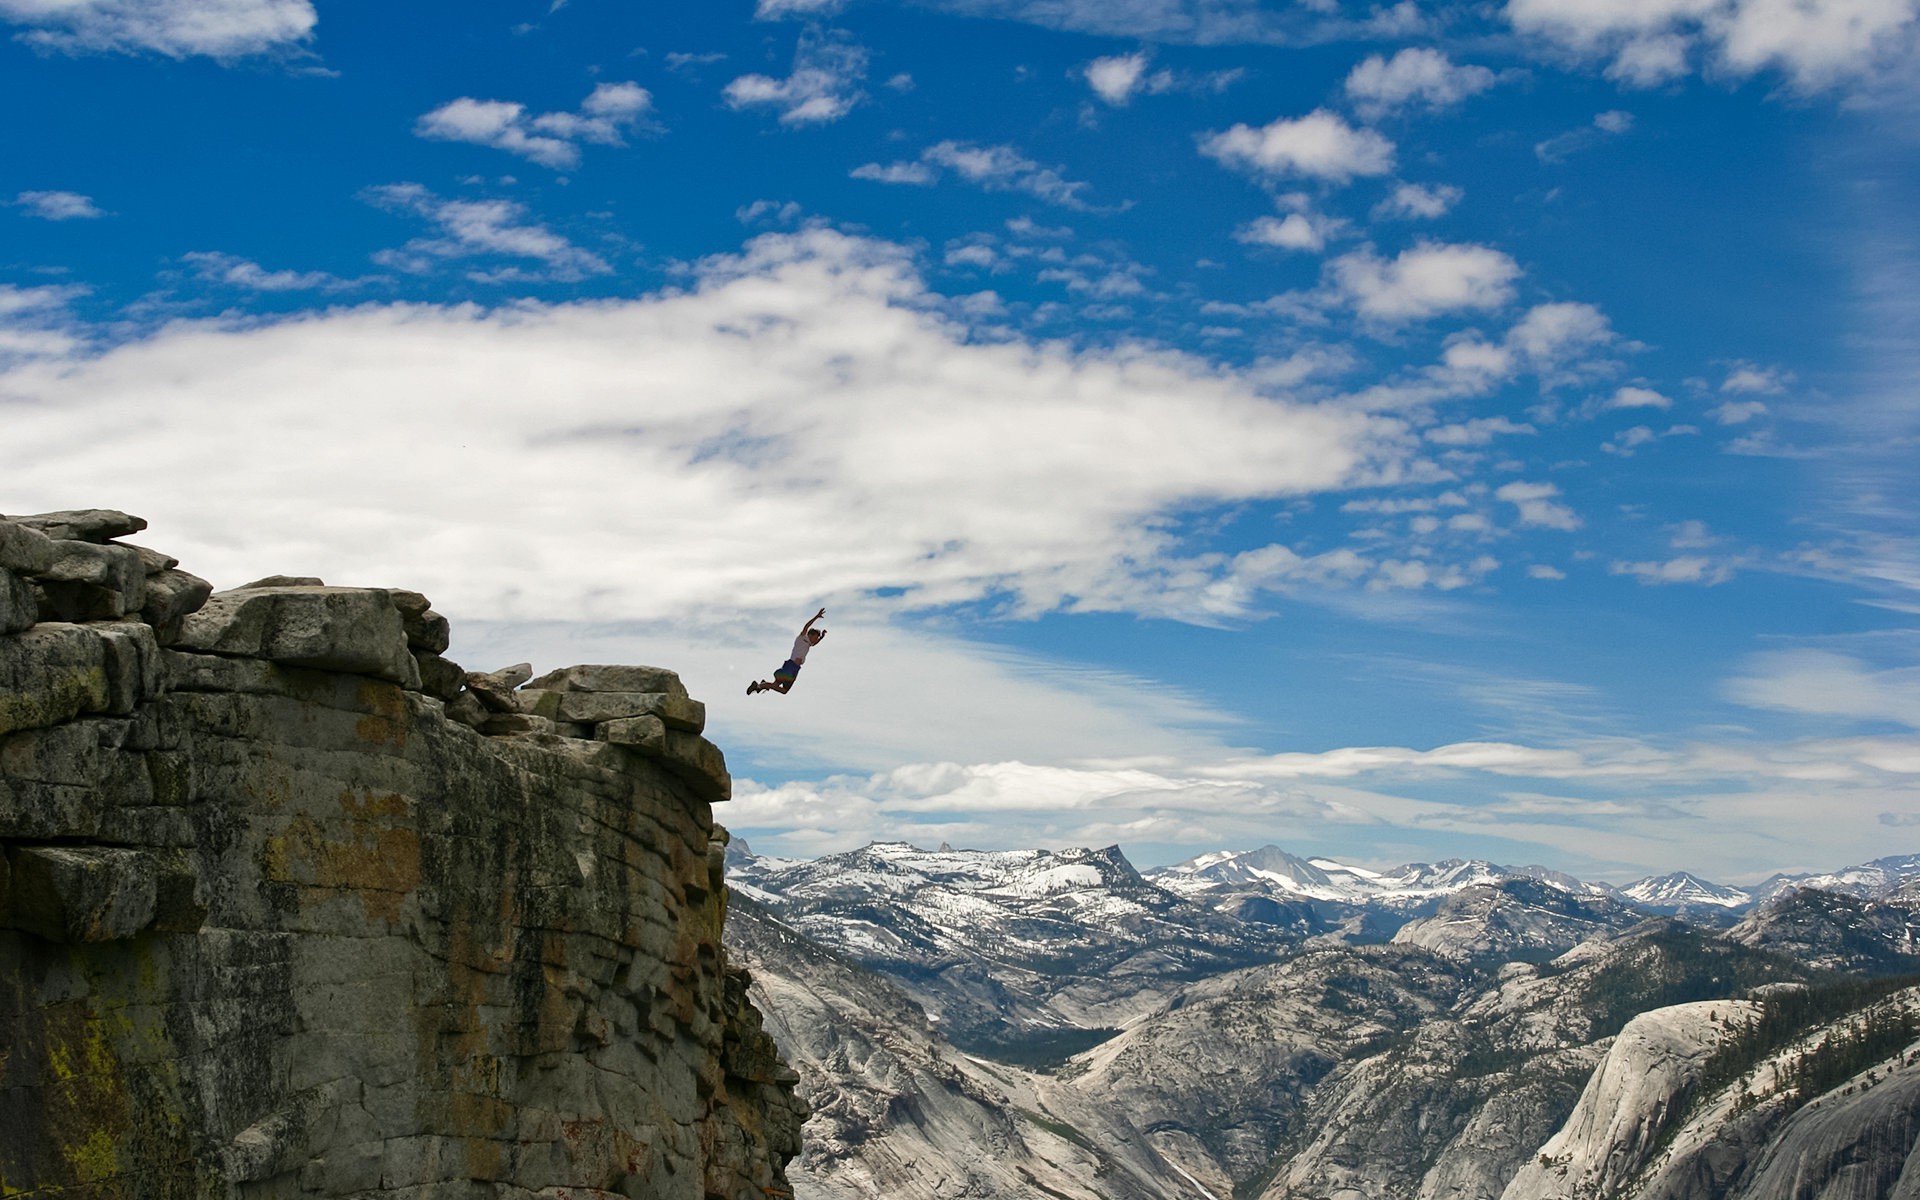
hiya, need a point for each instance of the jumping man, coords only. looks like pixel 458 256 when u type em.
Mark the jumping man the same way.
pixel 782 680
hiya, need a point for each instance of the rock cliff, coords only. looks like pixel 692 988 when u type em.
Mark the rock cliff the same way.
pixel 291 905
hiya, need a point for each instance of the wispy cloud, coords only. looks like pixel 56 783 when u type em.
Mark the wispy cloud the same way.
pixel 823 86
pixel 1562 146
pixel 1000 168
pixel 219 29
pixel 469 228
pixel 59 206
pixel 217 267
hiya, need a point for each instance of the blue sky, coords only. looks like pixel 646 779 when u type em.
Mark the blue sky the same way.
pixel 1392 431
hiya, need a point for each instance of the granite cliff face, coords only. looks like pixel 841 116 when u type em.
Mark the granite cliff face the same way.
pixel 290 905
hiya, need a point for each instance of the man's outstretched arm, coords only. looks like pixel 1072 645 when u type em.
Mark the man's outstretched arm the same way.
pixel 812 619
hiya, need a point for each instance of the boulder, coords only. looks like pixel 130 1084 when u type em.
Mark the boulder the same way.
pixel 19 604
pixel 356 630
pixel 273 581
pixel 645 734
pixel 172 595
pixel 495 688
pixel 81 893
pixel 609 678
pixel 467 710
pixel 700 763
pixel 83 524
pixel 23 549
pixel 88 582
pixel 678 712
pixel 440 678
pixel 55 671
pixel 152 560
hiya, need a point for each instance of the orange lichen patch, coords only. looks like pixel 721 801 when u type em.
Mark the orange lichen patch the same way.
pixel 378 861
pixel 388 722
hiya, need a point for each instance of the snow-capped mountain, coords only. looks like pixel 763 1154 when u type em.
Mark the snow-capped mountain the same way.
pixel 1684 890
pixel 1866 881
pixel 1006 949
pixel 1282 875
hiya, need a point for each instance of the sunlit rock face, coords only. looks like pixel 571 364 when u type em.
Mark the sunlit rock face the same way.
pixel 277 917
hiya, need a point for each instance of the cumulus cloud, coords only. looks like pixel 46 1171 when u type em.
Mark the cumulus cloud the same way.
pixel 550 139
pixel 1537 505
pixel 37 323
pixel 470 228
pixel 1425 281
pixel 999 168
pixel 1413 201
pixel 1320 145
pixel 679 441
pixel 1417 75
pixel 1638 397
pixel 218 29
pixel 823 86
pixel 1815 43
pixel 1116 78
pixel 58 206
pixel 1295 231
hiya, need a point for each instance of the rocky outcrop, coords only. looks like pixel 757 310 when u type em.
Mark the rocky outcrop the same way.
pixel 287 908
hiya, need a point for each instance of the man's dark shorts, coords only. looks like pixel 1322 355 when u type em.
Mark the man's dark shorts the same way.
pixel 788 672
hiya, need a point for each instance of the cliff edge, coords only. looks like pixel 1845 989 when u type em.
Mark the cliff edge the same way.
pixel 291 905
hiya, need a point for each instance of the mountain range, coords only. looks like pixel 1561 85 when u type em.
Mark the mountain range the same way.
pixel 1258 1025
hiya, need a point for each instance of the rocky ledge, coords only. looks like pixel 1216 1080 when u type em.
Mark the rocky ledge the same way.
pixel 292 905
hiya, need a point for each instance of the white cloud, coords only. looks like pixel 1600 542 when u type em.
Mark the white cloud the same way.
pixel 823 86
pixel 799 417
pixel 1116 78
pixel 918 174
pixel 1628 440
pixel 1687 568
pixel 36 323
pixel 774 10
pixel 478 228
pixel 1425 281
pixel 549 138
pixel 1737 412
pixel 1560 339
pixel 229 269
pixel 996 168
pixel 1638 397
pixel 1543 571
pixel 58 206
pixel 1296 231
pixel 1319 145
pixel 1747 379
pixel 1537 505
pixel 1816 43
pixel 219 29
pixel 1480 431
pixel 1650 60
pixel 1823 683
pixel 1611 123
pixel 1416 201
pixel 1380 85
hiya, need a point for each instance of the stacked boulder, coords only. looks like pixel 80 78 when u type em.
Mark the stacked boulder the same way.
pixel 293 905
